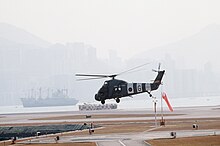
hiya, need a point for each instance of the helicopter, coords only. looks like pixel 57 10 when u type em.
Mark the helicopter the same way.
pixel 116 89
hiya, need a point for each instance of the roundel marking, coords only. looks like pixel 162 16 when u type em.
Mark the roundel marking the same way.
pixel 130 88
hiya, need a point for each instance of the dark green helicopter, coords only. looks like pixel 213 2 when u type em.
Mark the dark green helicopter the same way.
pixel 116 89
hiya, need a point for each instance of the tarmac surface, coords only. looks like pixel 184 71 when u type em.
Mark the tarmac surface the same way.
pixel 118 139
pixel 132 139
pixel 187 113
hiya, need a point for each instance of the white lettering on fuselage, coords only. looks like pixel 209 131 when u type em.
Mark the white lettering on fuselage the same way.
pixel 139 87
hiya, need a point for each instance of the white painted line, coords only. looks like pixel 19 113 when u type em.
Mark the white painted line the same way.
pixel 121 143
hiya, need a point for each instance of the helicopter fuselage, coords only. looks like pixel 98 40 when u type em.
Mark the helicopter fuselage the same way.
pixel 115 89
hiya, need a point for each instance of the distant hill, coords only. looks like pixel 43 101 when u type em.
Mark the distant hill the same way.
pixel 11 33
pixel 191 64
pixel 194 51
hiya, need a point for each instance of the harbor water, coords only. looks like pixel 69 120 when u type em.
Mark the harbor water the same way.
pixel 140 102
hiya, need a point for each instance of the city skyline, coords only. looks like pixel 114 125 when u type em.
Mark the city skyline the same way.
pixel 24 67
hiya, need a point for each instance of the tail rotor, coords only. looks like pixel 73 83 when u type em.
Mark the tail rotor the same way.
pixel 158 69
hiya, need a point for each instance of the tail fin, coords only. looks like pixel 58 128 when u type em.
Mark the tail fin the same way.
pixel 159 77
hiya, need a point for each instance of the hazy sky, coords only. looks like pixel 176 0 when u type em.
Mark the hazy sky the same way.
pixel 129 26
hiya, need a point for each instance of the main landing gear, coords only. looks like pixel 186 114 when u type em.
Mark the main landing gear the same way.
pixel 117 100
pixel 149 93
pixel 103 101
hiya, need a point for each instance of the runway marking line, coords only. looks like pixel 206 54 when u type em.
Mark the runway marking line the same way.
pixel 121 143
pixel 149 130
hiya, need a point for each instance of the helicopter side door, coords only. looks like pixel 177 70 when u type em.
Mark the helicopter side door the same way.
pixel 117 89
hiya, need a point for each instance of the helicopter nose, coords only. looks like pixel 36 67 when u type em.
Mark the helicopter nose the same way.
pixel 97 98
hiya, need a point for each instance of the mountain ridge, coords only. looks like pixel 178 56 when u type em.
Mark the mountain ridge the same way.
pixel 20 36
pixel 200 48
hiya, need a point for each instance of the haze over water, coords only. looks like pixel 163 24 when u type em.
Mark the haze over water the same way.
pixel 139 103
pixel 43 43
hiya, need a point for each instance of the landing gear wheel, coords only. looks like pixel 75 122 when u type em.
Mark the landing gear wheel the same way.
pixel 117 100
pixel 103 101
pixel 149 93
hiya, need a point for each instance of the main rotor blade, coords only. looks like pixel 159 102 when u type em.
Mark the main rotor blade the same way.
pixel 132 69
pixel 99 76
pixel 85 79
pixel 90 75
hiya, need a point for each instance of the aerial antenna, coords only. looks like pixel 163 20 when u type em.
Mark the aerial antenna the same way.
pixel 162 122
pixel 155 110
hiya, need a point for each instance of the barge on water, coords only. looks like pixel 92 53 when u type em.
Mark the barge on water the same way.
pixel 90 107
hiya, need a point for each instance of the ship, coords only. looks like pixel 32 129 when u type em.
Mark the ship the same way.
pixel 57 98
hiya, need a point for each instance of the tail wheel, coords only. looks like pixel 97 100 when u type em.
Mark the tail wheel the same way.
pixel 117 100
pixel 103 101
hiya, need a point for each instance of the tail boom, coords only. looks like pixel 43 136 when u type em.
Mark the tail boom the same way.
pixel 155 85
